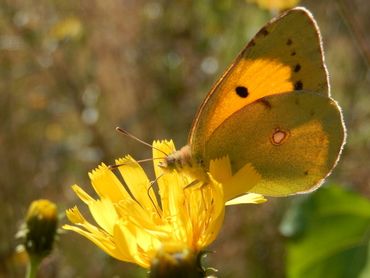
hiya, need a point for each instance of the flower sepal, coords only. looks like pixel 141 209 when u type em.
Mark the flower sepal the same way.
pixel 184 264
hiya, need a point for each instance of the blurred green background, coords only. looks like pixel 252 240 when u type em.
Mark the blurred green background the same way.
pixel 71 71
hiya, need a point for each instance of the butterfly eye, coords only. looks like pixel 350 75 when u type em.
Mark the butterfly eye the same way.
pixel 199 160
pixel 170 160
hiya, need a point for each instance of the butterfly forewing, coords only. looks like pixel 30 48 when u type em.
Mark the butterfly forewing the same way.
pixel 285 55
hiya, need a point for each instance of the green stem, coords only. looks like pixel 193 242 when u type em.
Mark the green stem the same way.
pixel 33 265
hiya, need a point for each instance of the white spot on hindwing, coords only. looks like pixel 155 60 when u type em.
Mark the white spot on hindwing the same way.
pixel 279 136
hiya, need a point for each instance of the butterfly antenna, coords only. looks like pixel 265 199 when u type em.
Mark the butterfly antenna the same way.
pixel 126 133
pixel 115 166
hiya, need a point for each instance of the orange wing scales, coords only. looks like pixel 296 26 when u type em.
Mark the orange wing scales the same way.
pixel 275 61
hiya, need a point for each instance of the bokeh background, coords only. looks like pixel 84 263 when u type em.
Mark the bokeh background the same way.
pixel 71 71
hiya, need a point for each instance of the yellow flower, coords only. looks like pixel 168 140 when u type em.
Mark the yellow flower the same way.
pixel 134 225
pixel 68 28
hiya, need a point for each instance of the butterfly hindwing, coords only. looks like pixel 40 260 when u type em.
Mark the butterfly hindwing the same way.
pixel 293 140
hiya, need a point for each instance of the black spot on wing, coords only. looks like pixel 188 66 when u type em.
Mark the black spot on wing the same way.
pixel 298 85
pixel 297 68
pixel 241 91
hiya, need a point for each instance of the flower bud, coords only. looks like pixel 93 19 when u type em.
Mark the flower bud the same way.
pixel 41 227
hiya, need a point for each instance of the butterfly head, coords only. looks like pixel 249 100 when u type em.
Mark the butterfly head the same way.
pixel 178 159
pixel 182 160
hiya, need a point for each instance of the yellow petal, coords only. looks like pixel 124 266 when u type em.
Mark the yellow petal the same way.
pixel 241 182
pixel 127 241
pixel 250 198
pixel 102 210
pixel 137 182
pixel 107 185
pixel 220 169
pixel 204 202
pixel 75 216
pixel 104 214
pixel 131 211
pixel 82 194
pixel 101 240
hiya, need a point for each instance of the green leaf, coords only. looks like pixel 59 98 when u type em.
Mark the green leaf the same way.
pixel 328 234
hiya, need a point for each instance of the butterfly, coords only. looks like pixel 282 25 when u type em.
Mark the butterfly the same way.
pixel 271 109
